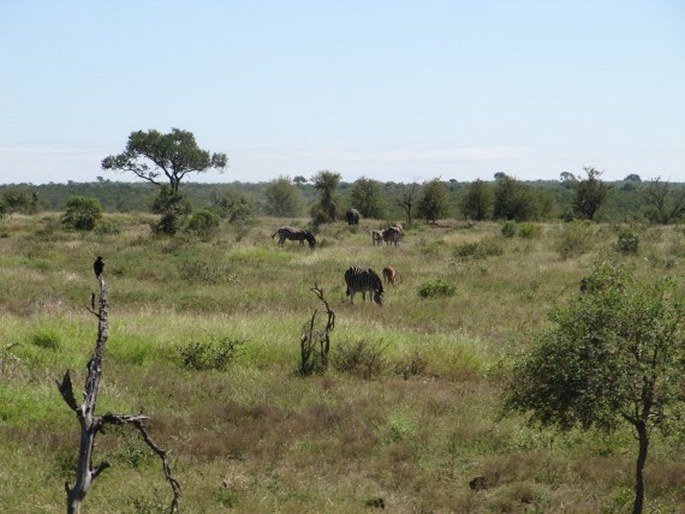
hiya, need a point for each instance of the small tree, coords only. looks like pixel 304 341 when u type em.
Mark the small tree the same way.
pixel 233 204
pixel 325 210
pixel 665 202
pixel 367 197
pixel 434 201
pixel 589 194
pixel 407 201
pixel 82 213
pixel 173 206
pixel 616 354
pixel 477 201
pixel 151 154
pixel 283 198
pixel 315 339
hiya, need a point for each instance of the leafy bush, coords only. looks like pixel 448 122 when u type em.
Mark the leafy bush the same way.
pixel 362 359
pixel 509 228
pixel 213 354
pixel 204 224
pixel 478 250
pixel 81 213
pixel 577 238
pixel 435 288
pixel 628 241
pixel 48 339
pixel 529 230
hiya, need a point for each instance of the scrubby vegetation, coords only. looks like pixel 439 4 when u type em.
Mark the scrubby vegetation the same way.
pixel 205 339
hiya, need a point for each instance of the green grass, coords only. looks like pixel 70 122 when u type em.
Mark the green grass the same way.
pixel 248 434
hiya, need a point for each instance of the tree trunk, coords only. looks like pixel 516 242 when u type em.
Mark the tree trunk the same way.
pixel 643 438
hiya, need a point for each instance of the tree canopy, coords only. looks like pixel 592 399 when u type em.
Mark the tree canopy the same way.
pixel 149 155
pixel 615 354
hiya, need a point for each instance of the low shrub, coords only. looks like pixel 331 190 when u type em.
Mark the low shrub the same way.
pixel 576 238
pixel 529 230
pixel 204 224
pixel 436 288
pixel 361 359
pixel 48 339
pixel 628 241
pixel 214 354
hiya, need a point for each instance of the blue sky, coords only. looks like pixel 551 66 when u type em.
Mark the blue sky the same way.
pixel 390 90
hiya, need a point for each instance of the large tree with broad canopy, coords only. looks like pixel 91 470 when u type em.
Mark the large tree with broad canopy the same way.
pixel 151 154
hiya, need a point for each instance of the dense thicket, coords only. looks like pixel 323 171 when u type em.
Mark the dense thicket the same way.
pixel 541 200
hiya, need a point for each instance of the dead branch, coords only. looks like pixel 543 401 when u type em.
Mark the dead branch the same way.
pixel 91 424
pixel 311 336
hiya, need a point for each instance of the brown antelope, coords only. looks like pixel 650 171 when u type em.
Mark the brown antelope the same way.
pixel 389 275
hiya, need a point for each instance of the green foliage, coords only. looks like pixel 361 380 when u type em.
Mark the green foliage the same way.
pixel 46 338
pixel 367 197
pixel 628 241
pixel 613 355
pixel 576 238
pixel 204 224
pixel 150 154
pixel 283 198
pixel 478 250
pixel 198 269
pixel 19 199
pixel 589 194
pixel 529 230
pixel 325 210
pixel 515 200
pixel 433 203
pixel 233 204
pixel 172 206
pixel 82 213
pixel 436 288
pixel 477 201
pixel 509 228
pixel 215 353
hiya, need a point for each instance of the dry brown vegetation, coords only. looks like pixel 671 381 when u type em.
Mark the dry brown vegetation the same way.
pixel 409 410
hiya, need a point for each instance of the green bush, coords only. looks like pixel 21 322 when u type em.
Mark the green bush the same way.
pixel 478 250
pixel 48 339
pixel 204 224
pixel 628 241
pixel 509 228
pixel 214 354
pixel 435 288
pixel 529 230
pixel 576 238
pixel 81 213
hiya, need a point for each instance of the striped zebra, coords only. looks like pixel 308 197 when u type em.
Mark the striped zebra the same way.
pixel 294 234
pixel 360 280
pixel 392 235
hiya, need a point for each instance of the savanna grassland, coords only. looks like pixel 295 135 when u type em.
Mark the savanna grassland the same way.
pixel 205 339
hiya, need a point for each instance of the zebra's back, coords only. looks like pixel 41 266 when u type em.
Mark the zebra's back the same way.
pixel 363 280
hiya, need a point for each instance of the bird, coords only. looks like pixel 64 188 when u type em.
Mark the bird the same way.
pixel 98 266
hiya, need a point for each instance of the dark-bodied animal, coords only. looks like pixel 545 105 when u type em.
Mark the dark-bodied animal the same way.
pixel 377 237
pixel 392 235
pixel 352 217
pixel 389 275
pixel 363 280
pixel 98 266
pixel 294 234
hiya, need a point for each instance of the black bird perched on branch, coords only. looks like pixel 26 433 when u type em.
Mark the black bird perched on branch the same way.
pixel 98 266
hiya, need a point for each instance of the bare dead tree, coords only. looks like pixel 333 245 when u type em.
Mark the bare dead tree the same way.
pixel 91 424
pixel 312 337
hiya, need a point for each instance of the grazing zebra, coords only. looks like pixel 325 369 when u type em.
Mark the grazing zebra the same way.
pixel 352 217
pixel 377 237
pixel 392 235
pixel 294 234
pixel 360 280
pixel 389 275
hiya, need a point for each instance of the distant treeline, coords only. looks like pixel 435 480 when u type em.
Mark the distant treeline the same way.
pixel 627 200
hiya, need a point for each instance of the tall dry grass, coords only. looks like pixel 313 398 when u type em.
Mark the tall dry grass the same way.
pixel 412 420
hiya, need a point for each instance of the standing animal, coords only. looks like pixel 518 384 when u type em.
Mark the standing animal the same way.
pixel 361 280
pixel 294 234
pixel 392 235
pixel 98 266
pixel 352 217
pixel 389 275
pixel 377 237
